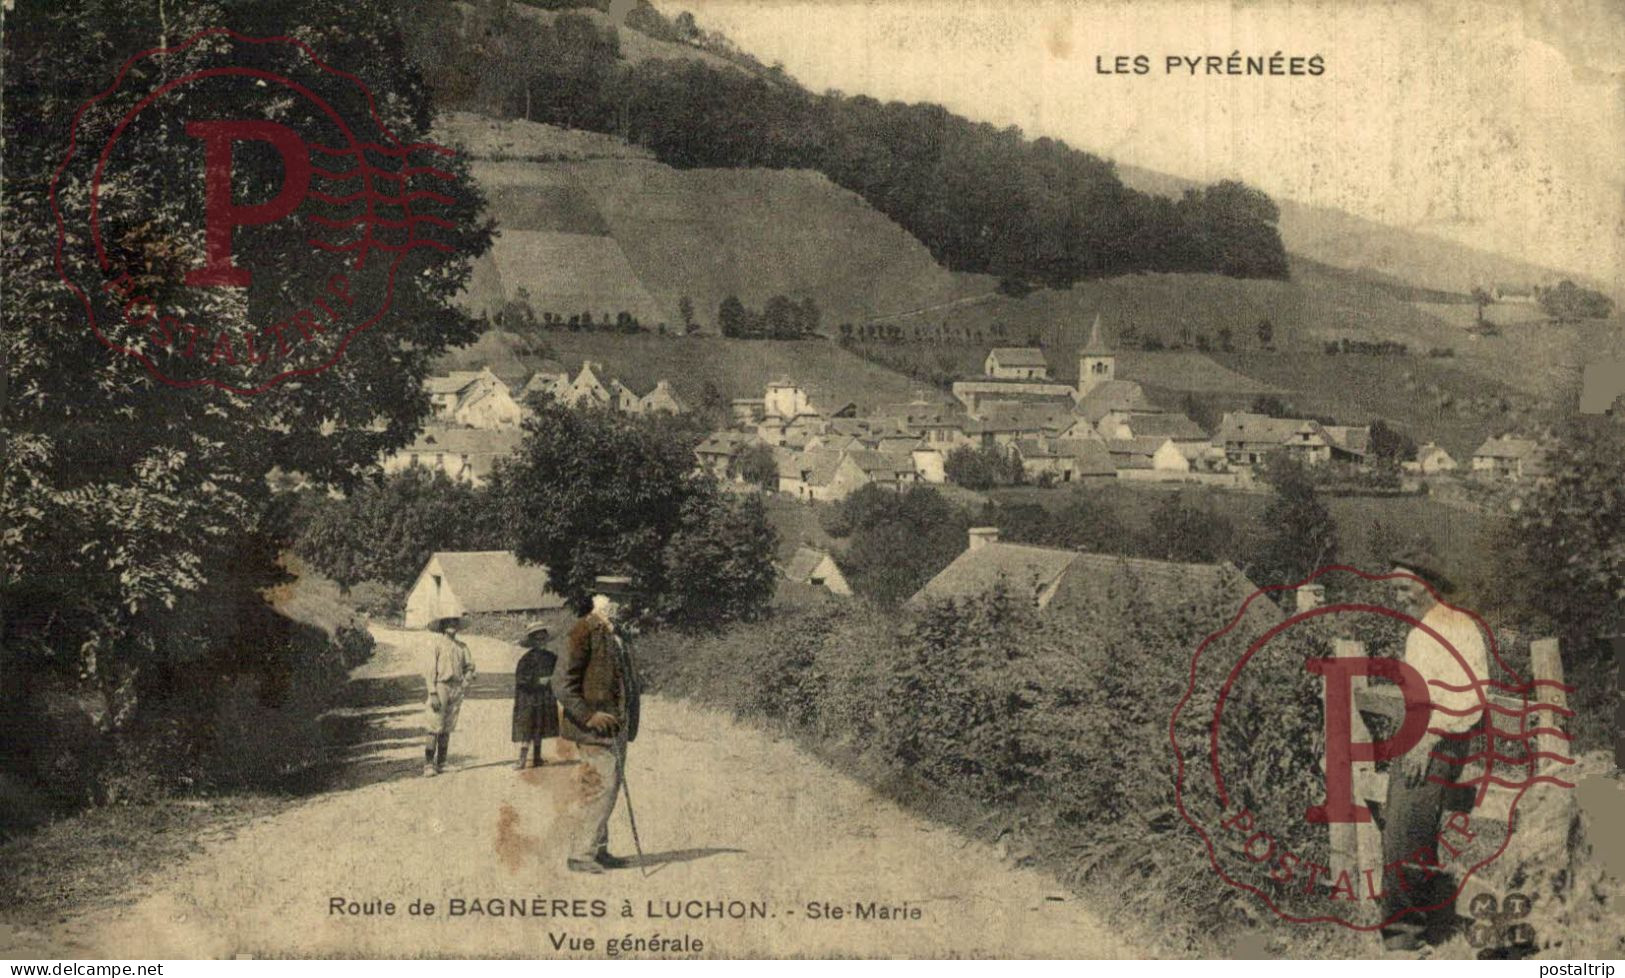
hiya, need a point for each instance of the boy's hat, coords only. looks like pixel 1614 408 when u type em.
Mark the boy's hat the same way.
pixel 538 628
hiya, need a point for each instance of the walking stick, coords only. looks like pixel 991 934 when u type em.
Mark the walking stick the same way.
pixel 620 745
pixel 631 817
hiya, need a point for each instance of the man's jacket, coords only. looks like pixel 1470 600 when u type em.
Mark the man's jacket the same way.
pixel 596 676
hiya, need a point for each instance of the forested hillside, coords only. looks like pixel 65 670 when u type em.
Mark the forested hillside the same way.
pixel 981 199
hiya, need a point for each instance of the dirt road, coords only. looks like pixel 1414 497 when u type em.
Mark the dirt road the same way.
pixel 733 822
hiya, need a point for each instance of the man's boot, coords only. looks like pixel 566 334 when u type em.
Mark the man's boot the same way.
pixel 604 859
pixel 429 770
pixel 441 742
pixel 536 752
pixel 524 755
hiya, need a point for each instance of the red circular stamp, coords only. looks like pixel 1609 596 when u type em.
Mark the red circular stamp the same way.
pixel 1357 763
pixel 233 212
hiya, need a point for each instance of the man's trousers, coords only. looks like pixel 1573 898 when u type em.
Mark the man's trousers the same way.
pixel 599 783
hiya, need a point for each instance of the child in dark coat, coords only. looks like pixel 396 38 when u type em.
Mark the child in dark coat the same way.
pixel 535 711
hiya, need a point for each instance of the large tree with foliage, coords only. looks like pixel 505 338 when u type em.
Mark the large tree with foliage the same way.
pixel 1567 536
pixel 593 491
pixel 898 540
pixel 386 530
pixel 131 508
pixel 1296 532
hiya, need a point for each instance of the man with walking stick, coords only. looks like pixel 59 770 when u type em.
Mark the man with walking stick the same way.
pixel 597 686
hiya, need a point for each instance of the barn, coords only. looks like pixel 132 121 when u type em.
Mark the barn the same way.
pixel 466 582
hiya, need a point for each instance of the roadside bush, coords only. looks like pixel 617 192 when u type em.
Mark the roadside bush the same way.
pixel 1051 732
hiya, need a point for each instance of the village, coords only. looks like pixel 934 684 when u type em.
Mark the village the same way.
pixel 1048 433
pixel 797 444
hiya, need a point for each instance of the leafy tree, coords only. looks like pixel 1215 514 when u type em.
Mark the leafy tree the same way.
pixel 755 464
pixel 137 514
pixel 1566 302
pixel 719 560
pixel 1481 298
pixel 732 317
pixel 898 540
pixel 1390 445
pixel 685 309
pixel 781 319
pixel 1184 531
pixel 1266 333
pixel 1271 405
pixel 594 491
pixel 1296 531
pixel 1567 538
pixel 386 530
pixel 983 468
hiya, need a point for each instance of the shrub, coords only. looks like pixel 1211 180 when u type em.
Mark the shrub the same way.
pixel 1003 720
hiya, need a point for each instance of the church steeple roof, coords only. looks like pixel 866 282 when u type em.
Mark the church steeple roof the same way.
pixel 1096 347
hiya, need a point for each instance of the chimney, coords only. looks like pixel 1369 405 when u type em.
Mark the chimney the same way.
pixel 981 536
pixel 1311 596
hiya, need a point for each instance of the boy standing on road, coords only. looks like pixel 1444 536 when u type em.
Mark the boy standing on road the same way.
pixel 448 669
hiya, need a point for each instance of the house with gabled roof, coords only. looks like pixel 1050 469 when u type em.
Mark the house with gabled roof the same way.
pixel 464 454
pixel 467 582
pixel 1247 438
pixel 586 389
pixel 1059 581
pixel 553 383
pixel 1016 363
pixel 1176 427
pixel 1430 460
pixel 1148 453
pixel 1510 457
pixel 661 400
pixel 472 398
pixel 813 567
pixel 622 398
pixel 1348 443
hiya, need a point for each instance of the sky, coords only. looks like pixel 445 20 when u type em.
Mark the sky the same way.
pixel 1497 125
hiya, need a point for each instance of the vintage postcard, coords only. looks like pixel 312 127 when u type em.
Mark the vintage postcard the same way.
pixel 673 479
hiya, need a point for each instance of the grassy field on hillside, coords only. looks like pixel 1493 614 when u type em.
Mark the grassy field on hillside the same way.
pixel 738 368
pixel 1458 537
pixel 1429 399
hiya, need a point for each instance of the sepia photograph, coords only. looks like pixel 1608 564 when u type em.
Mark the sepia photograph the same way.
pixel 512 480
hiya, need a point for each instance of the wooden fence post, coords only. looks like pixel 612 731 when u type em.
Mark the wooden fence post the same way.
pixel 1355 847
pixel 1546 663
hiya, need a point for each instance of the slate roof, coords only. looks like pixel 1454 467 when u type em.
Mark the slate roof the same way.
pixel 483 446
pixel 494 580
pixel 1017 417
pixel 1115 395
pixel 1019 356
pixel 806 560
pixel 1134 453
pixel 1244 427
pixel 1091 577
pixel 1028 569
pixel 724 442
pixel 1508 446
pixel 451 383
pixel 466 441
pixel 1071 578
pixel 1356 440
pixel 1090 456
pixel 883 464
pixel 1175 426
